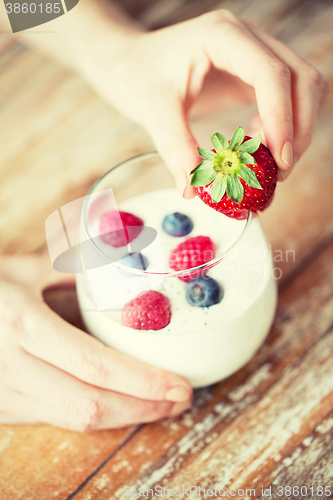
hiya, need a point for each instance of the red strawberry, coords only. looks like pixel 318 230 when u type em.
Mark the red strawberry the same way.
pixel 148 311
pixel 236 177
pixel 118 233
pixel 192 252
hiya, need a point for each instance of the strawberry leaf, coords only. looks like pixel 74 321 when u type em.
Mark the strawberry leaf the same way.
pixel 206 154
pixel 251 145
pixel 237 138
pixel 219 142
pixel 202 165
pixel 203 177
pixel 235 188
pixel 247 158
pixel 218 188
pixel 249 177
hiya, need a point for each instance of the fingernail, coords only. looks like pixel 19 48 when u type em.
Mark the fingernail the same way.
pixel 181 181
pixel 287 154
pixel 179 408
pixel 178 394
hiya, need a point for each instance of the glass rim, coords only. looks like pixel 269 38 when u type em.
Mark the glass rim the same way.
pixel 131 270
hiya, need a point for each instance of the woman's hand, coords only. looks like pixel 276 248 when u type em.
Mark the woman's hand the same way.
pixel 52 372
pixel 155 78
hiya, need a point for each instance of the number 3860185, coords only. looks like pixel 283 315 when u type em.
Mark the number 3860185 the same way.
pixel 31 8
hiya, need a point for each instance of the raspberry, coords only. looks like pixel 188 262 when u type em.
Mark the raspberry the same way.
pixel 148 311
pixel 116 233
pixel 192 252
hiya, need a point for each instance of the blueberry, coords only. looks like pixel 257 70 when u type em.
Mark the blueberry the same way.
pixel 203 292
pixel 135 260
pixel 177 224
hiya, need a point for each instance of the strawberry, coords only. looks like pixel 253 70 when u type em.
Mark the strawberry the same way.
pixel 148 311
pixel 235 177
pixel 119 228
pixel 192 252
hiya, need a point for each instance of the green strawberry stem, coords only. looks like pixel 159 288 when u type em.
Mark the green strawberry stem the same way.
pixel 224 167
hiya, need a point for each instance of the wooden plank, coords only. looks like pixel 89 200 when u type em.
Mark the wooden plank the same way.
pixel 309 466
pixel 239 430
pixel 58 138
pixel 9 48
pixel 43 462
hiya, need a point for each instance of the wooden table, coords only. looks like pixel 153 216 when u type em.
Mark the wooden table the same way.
pixel 269 424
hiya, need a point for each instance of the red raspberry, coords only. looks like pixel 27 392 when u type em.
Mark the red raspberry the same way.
pixel 116 233
pixel 148 311
pixel 192 252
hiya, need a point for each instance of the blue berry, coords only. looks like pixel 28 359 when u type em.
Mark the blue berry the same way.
pixel 203 292
pixel 135 260
pixel 177 224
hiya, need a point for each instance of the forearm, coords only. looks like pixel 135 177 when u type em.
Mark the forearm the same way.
pixel 75 37
pixel 98 23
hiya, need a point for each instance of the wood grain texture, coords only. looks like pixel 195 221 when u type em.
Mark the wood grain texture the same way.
pixel 310 464
pixel 43 462
pixel 60 137
pixel 238 431
pixel 271 422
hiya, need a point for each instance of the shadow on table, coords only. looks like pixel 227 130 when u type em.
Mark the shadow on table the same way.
pixel 62 299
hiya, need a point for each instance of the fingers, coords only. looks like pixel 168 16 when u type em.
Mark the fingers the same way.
pixel 247 57
pixel 51 339
pixel 52 396
pixel 170 132
pixel 309 89
pixel 22 409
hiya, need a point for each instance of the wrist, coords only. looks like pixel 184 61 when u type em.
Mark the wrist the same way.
pixel 100 34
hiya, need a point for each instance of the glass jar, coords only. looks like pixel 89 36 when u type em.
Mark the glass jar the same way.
pixel 203 344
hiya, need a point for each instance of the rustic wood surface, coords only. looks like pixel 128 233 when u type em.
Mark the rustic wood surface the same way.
pixel 269 424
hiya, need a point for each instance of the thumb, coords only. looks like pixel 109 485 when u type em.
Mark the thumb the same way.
pixel 170 132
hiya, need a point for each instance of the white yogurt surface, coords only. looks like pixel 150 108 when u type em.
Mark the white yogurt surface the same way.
pixel 203 344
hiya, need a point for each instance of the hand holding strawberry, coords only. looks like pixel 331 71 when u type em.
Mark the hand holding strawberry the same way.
pixel 236 176
pixel 190 68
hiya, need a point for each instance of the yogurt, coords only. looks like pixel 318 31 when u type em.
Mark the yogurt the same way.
pixel 204 345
